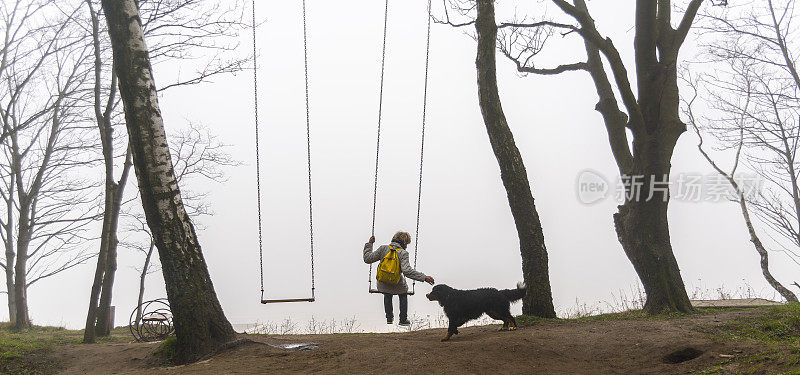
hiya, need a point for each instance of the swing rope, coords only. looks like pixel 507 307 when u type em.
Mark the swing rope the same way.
pixel 422 141
pixel 378 141
pixel 422 138
pixel 308 149
pixel 380 117
pixel 258 159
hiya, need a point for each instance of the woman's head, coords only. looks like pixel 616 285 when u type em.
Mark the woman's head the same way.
pixel 403 238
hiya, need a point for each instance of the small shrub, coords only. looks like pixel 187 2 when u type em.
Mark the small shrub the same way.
pixel 167 352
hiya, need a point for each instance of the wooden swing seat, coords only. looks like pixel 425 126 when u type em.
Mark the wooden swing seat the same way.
pixel 372 290
pixel 266 301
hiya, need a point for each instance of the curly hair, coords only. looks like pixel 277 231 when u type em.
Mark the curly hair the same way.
pixel 402 238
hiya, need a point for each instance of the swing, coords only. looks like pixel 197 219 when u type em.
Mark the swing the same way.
pixel 258 164
pixel 422 140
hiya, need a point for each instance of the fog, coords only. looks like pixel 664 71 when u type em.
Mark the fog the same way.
pixel 467 236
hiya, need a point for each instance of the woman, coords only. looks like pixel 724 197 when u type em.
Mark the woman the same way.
pixel 400 240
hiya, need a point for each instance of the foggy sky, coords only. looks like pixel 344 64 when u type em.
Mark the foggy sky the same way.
pixel 467 235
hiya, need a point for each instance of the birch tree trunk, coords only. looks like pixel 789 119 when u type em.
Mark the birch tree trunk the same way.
pixel 200 323
pixel 539 299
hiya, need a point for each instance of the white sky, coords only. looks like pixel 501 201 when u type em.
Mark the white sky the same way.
pixel 467 236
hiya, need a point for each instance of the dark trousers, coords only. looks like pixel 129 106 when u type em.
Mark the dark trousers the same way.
pixel 387 305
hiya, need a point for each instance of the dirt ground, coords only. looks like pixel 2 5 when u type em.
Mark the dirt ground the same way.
pixel 569 347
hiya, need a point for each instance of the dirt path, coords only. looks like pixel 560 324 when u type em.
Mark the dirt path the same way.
pixel 600 347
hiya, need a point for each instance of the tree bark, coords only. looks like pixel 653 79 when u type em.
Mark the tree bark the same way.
pixel 539 299
pixel 653 120
pixel 200 323
pixel 9 251
pixel 101 328
pixel 641 222
pixel 22 321
pixel 89 332
pixel 97 316
pixel 142 278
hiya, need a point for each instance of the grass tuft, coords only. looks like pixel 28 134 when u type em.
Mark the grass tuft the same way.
pixel 167 352
pixel 779 324
pixel 28 351
pixel 776 330
pixel 635 315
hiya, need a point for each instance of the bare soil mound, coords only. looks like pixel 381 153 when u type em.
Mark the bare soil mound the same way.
pixel 638 346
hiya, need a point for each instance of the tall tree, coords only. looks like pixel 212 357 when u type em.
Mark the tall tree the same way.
pixel 100 296
pixel 200 323
pixel 741 192
pixel 47 209
pixel 748 87
pixel 539 299
pixel 651 115
pixel 176 31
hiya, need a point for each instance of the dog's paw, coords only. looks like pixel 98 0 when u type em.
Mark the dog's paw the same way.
pixel 445 339
pixel 512 328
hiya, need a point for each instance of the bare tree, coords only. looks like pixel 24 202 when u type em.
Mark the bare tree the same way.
pixel 539 298
pixel 200 323
pixel 741 192
pixel 196 155
pixel 652 117
pixel 104 105
pixel 48 209
pixel 176 31
pixel 753 110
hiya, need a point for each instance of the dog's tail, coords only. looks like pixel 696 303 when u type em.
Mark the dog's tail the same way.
pixel 515 294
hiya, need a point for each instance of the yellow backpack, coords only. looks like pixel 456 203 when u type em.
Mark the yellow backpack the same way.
pixel 389 267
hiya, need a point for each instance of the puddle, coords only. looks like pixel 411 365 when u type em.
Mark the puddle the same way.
pixel 297 346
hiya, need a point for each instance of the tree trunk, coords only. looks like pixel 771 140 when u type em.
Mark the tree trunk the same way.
pixel 539 299
pixel 200 323
pixel 641 222
pixel 787 294
pixel 654 122
pixel 12 308
pixel 102 328
pixel 22 321
pixel 10 255
pixel 97 318
pixel 142 278
pixel 644 235
pixel 89 332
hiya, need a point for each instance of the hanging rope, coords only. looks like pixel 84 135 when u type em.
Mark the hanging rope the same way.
pixel 308 148
pixel 422 141
pixel 380 116
pixel 422 137
pixel 258 157
pixel 308 153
